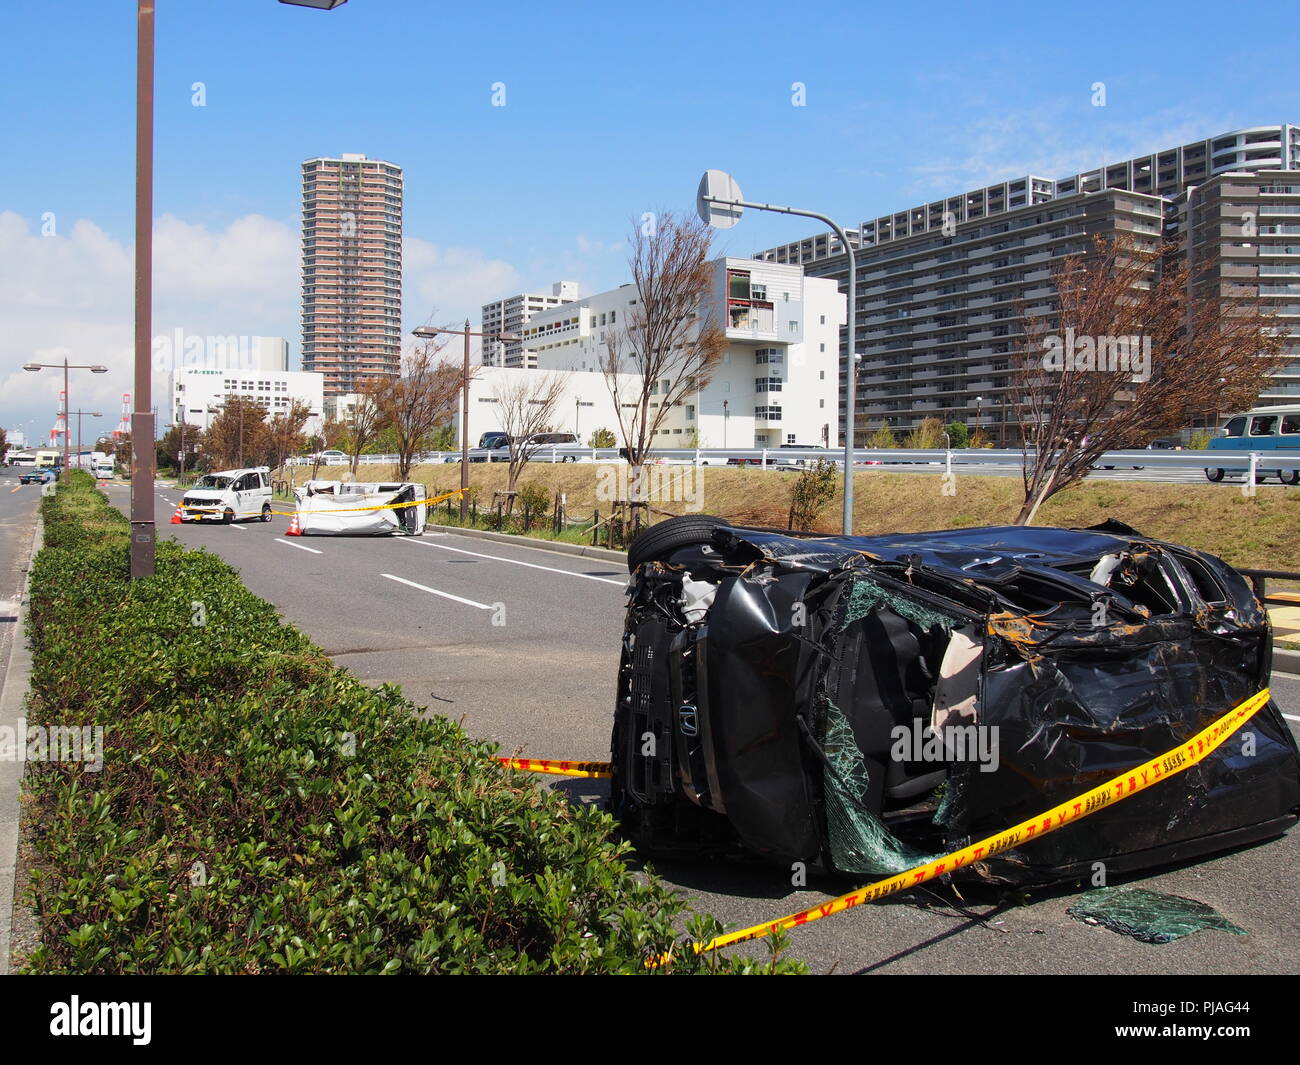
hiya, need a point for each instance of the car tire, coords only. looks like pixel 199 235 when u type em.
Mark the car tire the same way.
pixel 1215 475
pixel 659 540
pixel 1290 476
pixel 266 511
pixel 228 516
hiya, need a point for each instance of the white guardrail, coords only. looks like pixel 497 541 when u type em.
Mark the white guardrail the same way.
pixel 786 457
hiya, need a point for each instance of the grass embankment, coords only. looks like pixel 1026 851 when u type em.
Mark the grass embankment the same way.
pixel 260 810
pixel 1262 531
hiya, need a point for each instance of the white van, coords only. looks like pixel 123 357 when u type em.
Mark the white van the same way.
pixel 229 495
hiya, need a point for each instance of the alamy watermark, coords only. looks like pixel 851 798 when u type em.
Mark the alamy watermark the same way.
pixel 1098 354
pixel 652 483
pixel 948 743
pixel 180 350
pixel 53 743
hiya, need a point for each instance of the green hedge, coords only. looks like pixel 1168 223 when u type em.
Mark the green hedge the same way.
pixel 333 827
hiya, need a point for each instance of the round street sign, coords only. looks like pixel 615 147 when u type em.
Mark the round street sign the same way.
pixel 721 186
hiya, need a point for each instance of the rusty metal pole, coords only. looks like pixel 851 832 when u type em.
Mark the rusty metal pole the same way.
pixel 67 421
pixel 143 459
pixel 464 431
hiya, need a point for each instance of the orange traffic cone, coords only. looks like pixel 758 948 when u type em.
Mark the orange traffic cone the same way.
pixel 176 518
pixel 294 528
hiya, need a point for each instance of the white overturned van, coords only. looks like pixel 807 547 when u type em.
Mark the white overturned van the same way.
pixel 361 508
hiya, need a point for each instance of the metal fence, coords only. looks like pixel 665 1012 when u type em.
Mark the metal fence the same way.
pixel 1250 462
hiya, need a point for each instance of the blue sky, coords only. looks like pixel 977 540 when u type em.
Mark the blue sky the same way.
pixel 610 110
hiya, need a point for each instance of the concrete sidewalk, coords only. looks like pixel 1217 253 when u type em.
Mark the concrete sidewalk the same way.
pixel 12 766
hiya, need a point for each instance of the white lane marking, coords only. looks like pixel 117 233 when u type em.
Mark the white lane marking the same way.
pixel 516 562
pixel 434 591
pixel 1291 717
pixel 240 528
pixel 300 547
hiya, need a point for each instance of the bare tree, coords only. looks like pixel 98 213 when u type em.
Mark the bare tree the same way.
pixel 667 338
pixel 415 404
pixel 525 408
pixel 284 436
pixel 1137 348
pixel 364 422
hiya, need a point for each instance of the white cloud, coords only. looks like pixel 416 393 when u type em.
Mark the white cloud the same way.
pixel 71 294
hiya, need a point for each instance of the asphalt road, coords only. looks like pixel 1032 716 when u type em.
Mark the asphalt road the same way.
pixel 521 646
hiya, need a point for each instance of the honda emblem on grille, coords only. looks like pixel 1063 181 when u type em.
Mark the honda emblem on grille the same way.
pixel 688 719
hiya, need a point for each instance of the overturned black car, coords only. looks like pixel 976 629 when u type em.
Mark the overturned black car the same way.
pixel 862 703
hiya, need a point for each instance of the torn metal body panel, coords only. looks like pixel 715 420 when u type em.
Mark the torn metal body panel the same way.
pixel 357 508
pixel 858 701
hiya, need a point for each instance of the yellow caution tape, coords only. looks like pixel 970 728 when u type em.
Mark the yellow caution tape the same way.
pixel 562 769
pixel 1117 789
pixel 341 510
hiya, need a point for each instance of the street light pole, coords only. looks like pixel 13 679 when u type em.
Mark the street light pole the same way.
pixel 714 181
pixel 464 430
pixel 431 331
pixel 36 367
pixel 143 459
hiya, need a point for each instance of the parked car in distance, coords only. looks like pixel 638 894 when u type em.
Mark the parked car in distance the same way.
pixel 1261 429
pixel 565 447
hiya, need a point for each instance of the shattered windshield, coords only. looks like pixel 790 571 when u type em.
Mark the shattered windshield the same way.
pixel 212 480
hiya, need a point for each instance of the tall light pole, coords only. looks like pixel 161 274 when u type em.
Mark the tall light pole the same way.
pixel 577 403
pixel 430 331
pixel 36 367
pixel 143 458
pixel 719 203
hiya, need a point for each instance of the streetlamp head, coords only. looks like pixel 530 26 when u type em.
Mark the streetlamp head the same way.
pixel 99 369
pixel 509 338
pixel 31 367
pixel 320 5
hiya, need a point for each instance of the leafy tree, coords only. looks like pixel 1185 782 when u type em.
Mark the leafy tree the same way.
pixel 812 490
pixel 927 435
pixel 959 432
pixel 603 438
pixel 881 438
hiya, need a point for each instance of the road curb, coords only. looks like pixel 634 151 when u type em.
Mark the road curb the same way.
pixel 1285 661
pixel 558 547
pixel 13 699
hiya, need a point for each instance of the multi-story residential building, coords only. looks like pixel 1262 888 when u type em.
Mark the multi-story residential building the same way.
pixel 198 393
pixel 777 382
pixel 941 287
pixel 351 270
pixel 510 315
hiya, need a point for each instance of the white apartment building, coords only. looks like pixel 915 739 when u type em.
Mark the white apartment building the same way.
pixel 778 380
pixel 510 315
pixel 197 394
pixel 585 405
